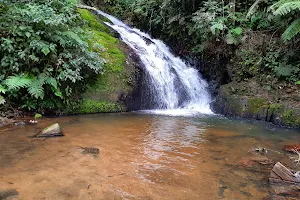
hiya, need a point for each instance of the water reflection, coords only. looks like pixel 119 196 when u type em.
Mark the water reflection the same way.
pixel 170 135
pixel 168 145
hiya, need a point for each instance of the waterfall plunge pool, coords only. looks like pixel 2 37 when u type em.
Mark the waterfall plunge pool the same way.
pixel 142 156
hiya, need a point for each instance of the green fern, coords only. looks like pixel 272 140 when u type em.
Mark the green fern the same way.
pixel 282 3
pixel 292 30
pixel 284 7
pixel 287 8
pixel 35 88
pixel 17 82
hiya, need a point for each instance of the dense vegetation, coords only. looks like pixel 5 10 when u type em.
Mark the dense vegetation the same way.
pixel 46 61
pixel 257 38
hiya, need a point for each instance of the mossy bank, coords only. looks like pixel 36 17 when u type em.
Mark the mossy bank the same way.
pixel 250 100
pixel 111 89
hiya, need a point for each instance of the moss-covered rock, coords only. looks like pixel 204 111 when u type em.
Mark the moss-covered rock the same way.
pixel 108 92
pixel 249 101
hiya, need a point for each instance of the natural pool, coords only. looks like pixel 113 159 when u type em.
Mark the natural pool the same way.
pixel 142 156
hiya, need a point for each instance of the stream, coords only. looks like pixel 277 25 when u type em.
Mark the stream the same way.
pixel 142 156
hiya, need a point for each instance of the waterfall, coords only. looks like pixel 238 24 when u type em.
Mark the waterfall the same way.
pixel 175 88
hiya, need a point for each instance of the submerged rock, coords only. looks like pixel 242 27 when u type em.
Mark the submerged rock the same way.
pixel 8 194
pixel 51 131
pixel 90 150
pixel 255 161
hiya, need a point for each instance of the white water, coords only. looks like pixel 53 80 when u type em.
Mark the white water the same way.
pixel 176 88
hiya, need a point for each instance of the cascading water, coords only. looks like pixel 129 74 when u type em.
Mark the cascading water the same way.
pixel 175 87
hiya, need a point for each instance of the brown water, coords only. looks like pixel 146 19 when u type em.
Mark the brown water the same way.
pixel 141 157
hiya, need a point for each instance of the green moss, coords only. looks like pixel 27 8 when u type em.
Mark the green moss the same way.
pixel 255 104
pixel 92 20
pixel 104 94
pixel 92 106
pixel 275 106
pixel 291 118
pixel 38 116
pixel 234 104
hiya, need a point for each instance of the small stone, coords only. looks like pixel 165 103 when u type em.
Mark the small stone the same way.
pixel 33 122
pixel 51 131
pixel 20 123
pixel 90 150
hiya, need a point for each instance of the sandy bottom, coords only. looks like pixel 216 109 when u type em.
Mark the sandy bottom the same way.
pixel 141 157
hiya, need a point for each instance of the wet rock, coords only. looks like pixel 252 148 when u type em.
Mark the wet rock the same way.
pixel 292 190
pixel 90 150
pixel 8 194
pixel 20 123
pixel 284 184
pixel 292 148
pixel 3 121
pixel 281 174
pixel 51 131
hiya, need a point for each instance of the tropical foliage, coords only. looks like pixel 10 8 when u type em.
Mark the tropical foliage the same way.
pixel 45 58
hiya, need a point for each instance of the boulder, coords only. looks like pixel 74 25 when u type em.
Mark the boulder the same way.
pixel 51 131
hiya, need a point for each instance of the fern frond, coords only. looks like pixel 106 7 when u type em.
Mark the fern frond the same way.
pixel 35 88
pixel 280 3
pixel 17 82
pixel 253 8
pixel 287 8
pixel 292 30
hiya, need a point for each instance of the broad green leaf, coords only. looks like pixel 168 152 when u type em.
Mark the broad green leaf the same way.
pixel 237 31
pixel 58 93
pixel 28 34
pixel 46 50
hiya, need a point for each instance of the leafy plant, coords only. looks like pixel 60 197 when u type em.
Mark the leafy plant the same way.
pixel 283 8
pixel 43 51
